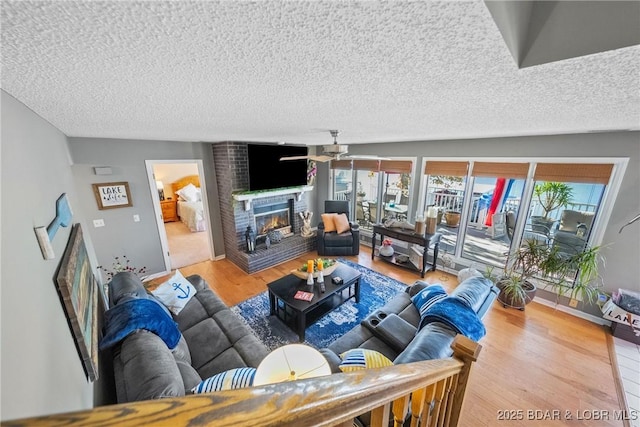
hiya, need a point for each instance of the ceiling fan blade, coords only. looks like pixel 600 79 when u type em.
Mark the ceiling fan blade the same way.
pixel 310 157
pixel 295 158
pixel 364 157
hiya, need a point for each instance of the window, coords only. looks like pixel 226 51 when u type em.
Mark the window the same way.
pixel 446 183
pixel 382 188
pixel 501 204
pixel 495 204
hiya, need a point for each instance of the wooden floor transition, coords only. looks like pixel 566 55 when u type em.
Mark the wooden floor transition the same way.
pixel 538 367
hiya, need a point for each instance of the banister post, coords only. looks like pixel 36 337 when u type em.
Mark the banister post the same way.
pixel 467 351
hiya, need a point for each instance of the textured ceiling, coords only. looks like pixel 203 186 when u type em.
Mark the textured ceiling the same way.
pixel 289 71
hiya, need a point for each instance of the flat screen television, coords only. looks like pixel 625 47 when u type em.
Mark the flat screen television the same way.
pixel 267 172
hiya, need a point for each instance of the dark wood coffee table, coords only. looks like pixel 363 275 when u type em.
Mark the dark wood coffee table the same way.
pixel 298 314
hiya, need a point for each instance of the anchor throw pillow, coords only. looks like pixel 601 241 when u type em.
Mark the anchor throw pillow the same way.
pixel 175 293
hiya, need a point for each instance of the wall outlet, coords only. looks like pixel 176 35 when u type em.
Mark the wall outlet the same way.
pixel 98 223
pixel 573 302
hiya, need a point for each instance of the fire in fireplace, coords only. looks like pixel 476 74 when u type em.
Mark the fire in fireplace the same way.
pixel 273 217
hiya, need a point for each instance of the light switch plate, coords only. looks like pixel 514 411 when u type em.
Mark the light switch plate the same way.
pixel 98 223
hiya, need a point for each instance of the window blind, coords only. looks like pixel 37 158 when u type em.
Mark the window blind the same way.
pixel 396 166
pixel 594 173
pixel 446 168
pixel 501 170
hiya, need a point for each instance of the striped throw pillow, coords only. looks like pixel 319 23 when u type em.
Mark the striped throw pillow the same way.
pixel 228 380
pixel 361 358
pixel 427 297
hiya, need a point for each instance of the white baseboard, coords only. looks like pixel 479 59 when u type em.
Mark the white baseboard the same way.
pixel 573 312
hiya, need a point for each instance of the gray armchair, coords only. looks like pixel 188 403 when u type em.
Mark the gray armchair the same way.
pixel 573 230
pixel 334 243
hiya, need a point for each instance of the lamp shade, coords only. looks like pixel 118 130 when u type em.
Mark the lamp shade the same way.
pixel 291 362
pixel 159 185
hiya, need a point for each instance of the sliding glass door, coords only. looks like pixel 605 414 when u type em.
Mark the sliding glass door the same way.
pixel 493 210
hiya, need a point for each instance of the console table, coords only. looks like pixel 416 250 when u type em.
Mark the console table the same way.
pixel 427 241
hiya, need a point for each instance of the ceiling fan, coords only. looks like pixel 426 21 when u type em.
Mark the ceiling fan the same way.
pixel 334 151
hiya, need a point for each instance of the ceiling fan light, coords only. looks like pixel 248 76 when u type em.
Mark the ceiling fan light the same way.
pixel 335 149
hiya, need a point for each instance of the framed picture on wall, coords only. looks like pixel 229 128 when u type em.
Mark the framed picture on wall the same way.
pixel 111 195
pixel 78 290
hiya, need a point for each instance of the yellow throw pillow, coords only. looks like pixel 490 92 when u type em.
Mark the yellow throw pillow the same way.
pixel 342 223
pixel 361 358
pixel 329 222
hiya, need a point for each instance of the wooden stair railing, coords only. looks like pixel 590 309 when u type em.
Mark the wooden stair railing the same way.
pixel 431 391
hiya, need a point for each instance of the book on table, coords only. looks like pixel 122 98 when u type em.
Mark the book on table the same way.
pixel 304 296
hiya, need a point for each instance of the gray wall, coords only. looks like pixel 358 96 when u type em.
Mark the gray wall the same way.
pixel 140 241
pixel 622 251
pixel 41 369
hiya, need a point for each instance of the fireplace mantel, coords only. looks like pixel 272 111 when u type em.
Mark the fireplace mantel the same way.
pixel 247 198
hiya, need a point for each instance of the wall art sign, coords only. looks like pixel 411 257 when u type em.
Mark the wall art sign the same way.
pixel 78 291
pixel 111 195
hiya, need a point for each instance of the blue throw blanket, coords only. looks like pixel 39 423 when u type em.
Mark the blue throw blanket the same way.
pixel 457 314
pixel 130 316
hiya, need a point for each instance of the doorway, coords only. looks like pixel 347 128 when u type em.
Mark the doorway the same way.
pixel 179 195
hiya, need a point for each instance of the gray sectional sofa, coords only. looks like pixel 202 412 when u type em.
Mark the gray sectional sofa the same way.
pixel 393 329
pixel 213 340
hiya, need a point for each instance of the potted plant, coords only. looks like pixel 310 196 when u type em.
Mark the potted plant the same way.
pixel 515 284
pixel 551 196
pixel 572 275
pixel 452 218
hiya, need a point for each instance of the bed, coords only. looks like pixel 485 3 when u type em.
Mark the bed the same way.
pixel 190 209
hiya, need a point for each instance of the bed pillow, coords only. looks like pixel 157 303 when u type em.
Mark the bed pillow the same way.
pixel 189 193
pixel 362 358
pixel 175 293
pixel 228 380
pixel 342 223
pixel 329 222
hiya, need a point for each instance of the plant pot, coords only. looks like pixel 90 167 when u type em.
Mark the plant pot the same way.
pixel 514 301
pixel 452 218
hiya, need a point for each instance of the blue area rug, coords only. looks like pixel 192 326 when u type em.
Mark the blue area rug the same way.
pixel 375 290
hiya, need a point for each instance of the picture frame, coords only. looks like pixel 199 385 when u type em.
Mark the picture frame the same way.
pixel 78 290
pixel 110 195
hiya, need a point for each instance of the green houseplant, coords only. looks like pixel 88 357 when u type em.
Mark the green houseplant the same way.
pixel 551 196
pixel 572 275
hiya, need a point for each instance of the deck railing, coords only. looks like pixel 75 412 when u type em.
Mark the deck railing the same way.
pixel 430 392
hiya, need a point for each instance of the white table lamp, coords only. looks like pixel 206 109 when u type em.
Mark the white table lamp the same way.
pixel 291 362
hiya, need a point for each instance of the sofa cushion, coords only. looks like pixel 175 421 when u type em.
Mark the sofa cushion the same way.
pixel 431 342
pixel 190 377
pixel 181 351
pixel 360 358
pixel 475 291
pixel 569 220
pixel 142 378
pixel 228 380
pixel 338 240
pixel 175 293
pixel 125 286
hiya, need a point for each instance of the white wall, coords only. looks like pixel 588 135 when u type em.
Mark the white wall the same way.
pixel 41 369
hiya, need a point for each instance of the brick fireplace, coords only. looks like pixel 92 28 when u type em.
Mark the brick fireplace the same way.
pixel 271 208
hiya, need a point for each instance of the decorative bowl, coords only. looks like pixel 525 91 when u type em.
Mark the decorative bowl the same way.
pixel 326 271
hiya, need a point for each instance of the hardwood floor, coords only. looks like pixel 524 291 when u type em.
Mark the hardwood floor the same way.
pixel 537 367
